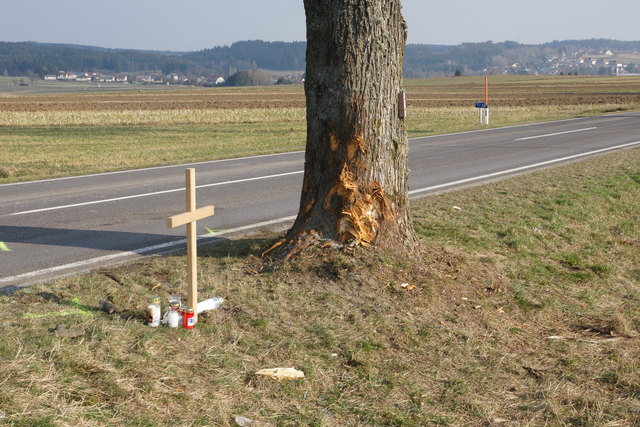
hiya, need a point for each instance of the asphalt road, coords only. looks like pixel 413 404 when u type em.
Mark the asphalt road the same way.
pixel 58 227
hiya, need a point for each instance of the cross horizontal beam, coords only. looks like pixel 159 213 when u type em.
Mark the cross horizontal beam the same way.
pixel 187 217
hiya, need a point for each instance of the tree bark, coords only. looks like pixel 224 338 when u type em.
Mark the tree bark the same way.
pixel 355 180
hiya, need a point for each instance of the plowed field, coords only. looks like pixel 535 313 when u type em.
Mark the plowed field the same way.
pixel 451 92
pixel 184 100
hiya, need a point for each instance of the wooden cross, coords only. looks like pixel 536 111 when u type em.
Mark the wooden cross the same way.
pixel 190 217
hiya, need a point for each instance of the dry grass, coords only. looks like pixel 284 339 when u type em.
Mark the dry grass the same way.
pixel 523 311
pixel 151 117
pixel 42 152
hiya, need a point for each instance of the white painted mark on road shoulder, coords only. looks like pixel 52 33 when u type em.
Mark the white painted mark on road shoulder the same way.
pixel 155 193
pixel 554 134
pixel 520 169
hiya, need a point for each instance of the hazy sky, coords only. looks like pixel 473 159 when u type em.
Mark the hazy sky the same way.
pixel 189 25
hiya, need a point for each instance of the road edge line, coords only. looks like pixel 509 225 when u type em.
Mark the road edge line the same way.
pixel 159 248
pixel 522 168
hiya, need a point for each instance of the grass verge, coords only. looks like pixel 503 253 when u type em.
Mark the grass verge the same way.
pixel 44 152
pixel 521 311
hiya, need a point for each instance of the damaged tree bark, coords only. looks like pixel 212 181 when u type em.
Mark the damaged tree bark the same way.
pixel 355 180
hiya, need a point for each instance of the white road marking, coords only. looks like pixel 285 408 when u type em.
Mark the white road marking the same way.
pixel 155 193
pixel 163 247
pixel 521 168
pixel 555 134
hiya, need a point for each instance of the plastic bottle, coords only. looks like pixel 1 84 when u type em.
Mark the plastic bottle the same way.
pixel 209 304
pixel 153 312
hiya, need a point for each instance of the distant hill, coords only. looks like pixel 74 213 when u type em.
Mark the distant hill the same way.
pixel 40 59
pixel 511 57
pixel 25 58
pixel 243 55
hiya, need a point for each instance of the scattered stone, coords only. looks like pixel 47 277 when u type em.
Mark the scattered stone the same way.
pixel 107 307
pixel 63 332
pixel 243 421
pixel 536 373
pixel 281 373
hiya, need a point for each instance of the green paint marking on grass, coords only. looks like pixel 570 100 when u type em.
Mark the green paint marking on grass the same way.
pixel 4 247
pixel 212 232
pixel 79 309
pixel 55 314
pixel 75 303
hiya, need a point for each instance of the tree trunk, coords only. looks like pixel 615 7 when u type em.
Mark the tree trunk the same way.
pixel 355 180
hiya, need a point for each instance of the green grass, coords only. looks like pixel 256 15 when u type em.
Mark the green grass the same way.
pixel 70 150
pixel 571 237
pixel 524 312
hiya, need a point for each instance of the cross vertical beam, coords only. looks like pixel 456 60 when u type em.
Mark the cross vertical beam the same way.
pixel 192 243
pixel 189 218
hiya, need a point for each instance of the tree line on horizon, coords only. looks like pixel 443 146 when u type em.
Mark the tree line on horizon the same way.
pixel 421 60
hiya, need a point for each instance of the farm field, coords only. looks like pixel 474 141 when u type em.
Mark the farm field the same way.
pixel 51 134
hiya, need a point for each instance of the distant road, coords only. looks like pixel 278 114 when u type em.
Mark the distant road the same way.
pixel 58 227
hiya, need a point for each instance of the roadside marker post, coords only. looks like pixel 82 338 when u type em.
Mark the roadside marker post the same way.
pixel 481 106
pixel 485 110
pixel 189 218
pixel 484 106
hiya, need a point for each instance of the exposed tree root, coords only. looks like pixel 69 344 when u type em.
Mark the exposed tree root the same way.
pixel 274 246
pixel 349 216
pixel 388 236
